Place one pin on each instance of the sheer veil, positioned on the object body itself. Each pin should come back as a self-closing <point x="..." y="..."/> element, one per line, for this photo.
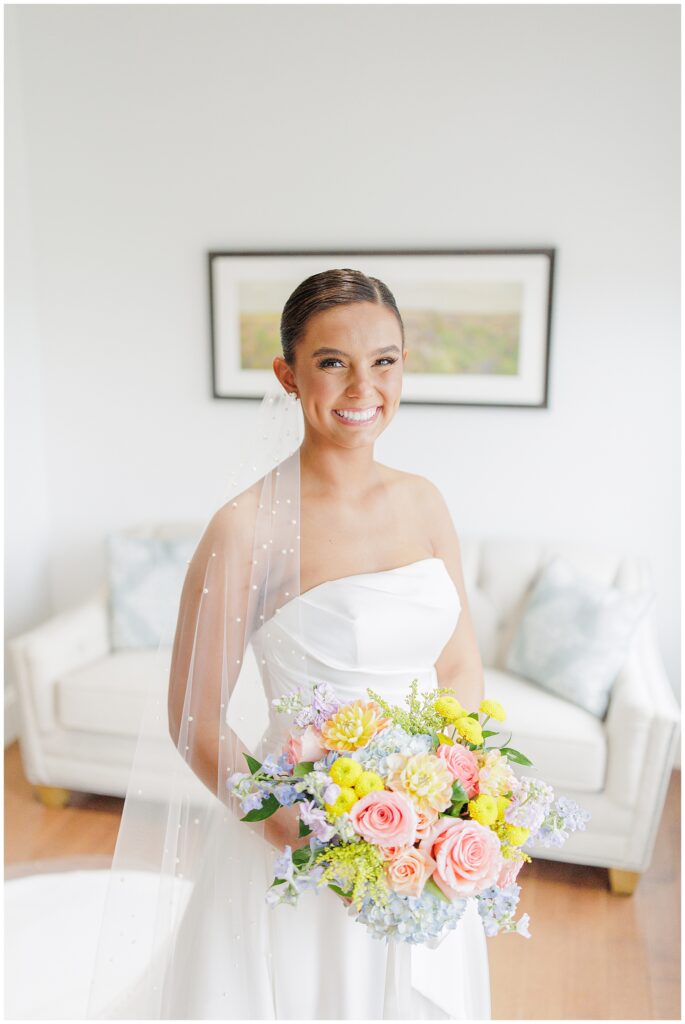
<point x="202" y="712"/>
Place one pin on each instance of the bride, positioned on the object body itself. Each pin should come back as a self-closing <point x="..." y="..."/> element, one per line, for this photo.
<point x="330" y="567"/>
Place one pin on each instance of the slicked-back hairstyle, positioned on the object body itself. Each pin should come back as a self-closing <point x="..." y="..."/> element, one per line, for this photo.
<point x="322" y="291"/>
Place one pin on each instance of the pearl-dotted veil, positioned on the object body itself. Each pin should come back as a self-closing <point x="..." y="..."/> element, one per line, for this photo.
<point x="201" y="714"/>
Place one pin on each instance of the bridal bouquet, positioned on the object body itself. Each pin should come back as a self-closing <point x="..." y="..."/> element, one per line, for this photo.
<point x="409" y="811"/>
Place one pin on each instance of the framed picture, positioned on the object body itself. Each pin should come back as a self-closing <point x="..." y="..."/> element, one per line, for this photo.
<point x="477" y="322"/>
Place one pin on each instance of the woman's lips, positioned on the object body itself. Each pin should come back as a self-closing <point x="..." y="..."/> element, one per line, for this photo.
<point x="358" y="423"/>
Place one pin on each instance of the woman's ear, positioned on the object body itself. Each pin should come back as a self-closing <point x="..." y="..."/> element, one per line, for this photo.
<point x="284" y="374"/>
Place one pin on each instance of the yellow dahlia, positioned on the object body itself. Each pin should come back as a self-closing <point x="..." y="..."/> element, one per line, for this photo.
<point x="345" y="771"/>
<point x="368" y="782"/>
<point x="424" y="778"/>
<point x="516" y="835"/>
<point x="493" y="708"/>
<point x="449" y="708"/>
<point x="353" y="726"/>
<point x="470" y="729"/>
<point x="483" y="809"/>
<point x="345" y="800"/>
<point x="495" y="776"/>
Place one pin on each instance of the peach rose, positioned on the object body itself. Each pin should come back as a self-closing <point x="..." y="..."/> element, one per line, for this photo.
<point x="306" y="747"/>
<point x="510" y="869"/>
<point x="408" y="871"/>
<point x="467" y="855"/>
<point x="385" y="818"/>
<point x="427" y="818"/>
<point x="388" y="852"/>
<point x="463" y="766"/>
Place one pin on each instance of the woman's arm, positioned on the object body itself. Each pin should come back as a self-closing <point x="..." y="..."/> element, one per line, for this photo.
<point x="459" y="665"/>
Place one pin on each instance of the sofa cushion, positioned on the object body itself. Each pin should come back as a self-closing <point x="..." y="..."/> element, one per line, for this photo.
<point x="147" y="568"/>
<point x="566" y="744"/>
<point x="108" y="696"/>
<point x="574" y="635"/>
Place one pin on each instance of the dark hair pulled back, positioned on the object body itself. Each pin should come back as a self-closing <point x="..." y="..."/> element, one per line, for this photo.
<point x="322" y="291"/>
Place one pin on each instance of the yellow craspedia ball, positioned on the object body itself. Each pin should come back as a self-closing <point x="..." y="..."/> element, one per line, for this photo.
<point x="516" y="835"/>
<point x="368" y="782"/>
<point x="502" y="804"/>
<point x="449" y="708"/>
<point x="483" y="809"/>
<point x="470" y="729"/>
<point x="346" y="799"/>
<point x="345" y="771"/>
<point x="493" y="708"/>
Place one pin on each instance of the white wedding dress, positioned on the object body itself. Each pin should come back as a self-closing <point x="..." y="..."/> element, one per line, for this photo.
<point x="313" y="961"/>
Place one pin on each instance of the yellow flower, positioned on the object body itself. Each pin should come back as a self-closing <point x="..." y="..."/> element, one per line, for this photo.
<point x="502" y="804"/>
<point x="353" y="726"/>
<point x="368" y="782"/>
<point x="346" y="799"/>
<point x="449" y="708"/>
<point x="345" y="771"/>
<point x="470" y="729"/>
<point x="483" y="809"/>
<point x="516" y="835"/>
<point x="494" y="709"/>
<point x="424" y="778"/>
<point x="495" y="775"/>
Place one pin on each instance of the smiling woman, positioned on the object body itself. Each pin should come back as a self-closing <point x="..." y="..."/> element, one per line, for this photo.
<point x="329" y="567"/>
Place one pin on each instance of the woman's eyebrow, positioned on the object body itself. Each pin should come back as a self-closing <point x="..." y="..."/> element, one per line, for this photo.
<point x="339" y="352"/>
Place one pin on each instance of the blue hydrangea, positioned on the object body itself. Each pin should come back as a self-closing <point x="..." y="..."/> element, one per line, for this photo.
<point x="393" y="740"/>
<point x="412" y="919"/>
<point x="564" y="817"/>
<point x="285" y="794"/>
<point x="497" y="907"/>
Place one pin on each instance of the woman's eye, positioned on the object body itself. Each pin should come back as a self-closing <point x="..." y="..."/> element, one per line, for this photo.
<point x="327" y="362"/>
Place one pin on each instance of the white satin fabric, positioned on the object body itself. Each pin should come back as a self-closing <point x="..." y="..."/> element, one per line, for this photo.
<point x="312" y="961"/>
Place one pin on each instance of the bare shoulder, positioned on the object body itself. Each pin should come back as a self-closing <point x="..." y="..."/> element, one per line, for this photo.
<point x="421" y="491"/>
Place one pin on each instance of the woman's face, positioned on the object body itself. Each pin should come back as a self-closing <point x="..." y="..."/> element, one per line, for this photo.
<point x="349" y="361"/>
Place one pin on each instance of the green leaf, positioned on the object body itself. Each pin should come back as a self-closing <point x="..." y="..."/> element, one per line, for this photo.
<point x="515" y="755"/>
<point x="277" y="881"/>
<point x="339" y="891"/>
<point x="303" y="768"/>
<point x="459" y="793"/>
<point x="269" y="807"/>
<point x="252" y="763"/>
<point x="301" y="856"/>
<point x="433" y="889"/>
<point x="489" y="732"/>
<point x="304" y="829"/>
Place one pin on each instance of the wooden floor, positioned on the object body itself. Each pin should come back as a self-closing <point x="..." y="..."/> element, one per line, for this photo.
<point x="591" y="956"/>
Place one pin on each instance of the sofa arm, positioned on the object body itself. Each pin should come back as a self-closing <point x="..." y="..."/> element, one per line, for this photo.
<point x="642" y="722"/>
<point x="63" y="643"/>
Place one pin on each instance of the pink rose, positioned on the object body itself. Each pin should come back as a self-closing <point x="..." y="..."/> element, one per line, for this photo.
<point x="467" y="855"/>
<point x="463" y="766"/>
<point x="510" y="869"/>
<point x="385" y="818"/>
<point x="408" y="871"/>
<point x="306" y="747"/>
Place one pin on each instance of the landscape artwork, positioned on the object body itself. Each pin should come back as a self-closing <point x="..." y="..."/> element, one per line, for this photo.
<point x="476" y="325"/>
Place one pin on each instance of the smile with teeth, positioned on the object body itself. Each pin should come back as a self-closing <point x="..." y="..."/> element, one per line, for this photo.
<point x="358" y="415"/>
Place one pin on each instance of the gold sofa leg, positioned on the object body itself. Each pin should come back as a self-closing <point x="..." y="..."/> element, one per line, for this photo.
<point x="623" y="883"/>
<point x="52" y="796"/>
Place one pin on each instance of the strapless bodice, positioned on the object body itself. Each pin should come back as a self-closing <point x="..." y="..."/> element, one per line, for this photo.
<point x="376" y="629"/>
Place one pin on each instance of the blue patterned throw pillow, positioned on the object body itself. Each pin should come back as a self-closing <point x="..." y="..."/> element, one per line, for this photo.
<point x="146" y="574"/>
<point x="575" y="634"/>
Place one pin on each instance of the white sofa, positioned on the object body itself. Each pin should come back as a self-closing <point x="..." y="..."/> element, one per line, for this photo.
<point x="81" y="705"/>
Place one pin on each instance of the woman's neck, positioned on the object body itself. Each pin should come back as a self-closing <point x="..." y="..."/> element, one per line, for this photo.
<point x="336" y="471"/>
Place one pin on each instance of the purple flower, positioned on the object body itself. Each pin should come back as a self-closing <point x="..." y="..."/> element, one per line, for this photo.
<point x="283" y="865"/>
<point x="285" y="794"/>
<point x="324" y="703"/>
<point x="270" y="766"/>
<point x="253" y="802"/>
<point x="315" y="818"/>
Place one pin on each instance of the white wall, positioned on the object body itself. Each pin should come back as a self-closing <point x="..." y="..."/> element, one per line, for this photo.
<point x="156" y="133"/>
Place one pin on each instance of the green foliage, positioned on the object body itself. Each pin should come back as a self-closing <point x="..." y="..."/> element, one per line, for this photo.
<point x="252" y="763"/>
<point x="269" y="807"/>
<point x="421" y="717"/>
<point x="303" y="768"/>
<point x="356" y="870"/>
